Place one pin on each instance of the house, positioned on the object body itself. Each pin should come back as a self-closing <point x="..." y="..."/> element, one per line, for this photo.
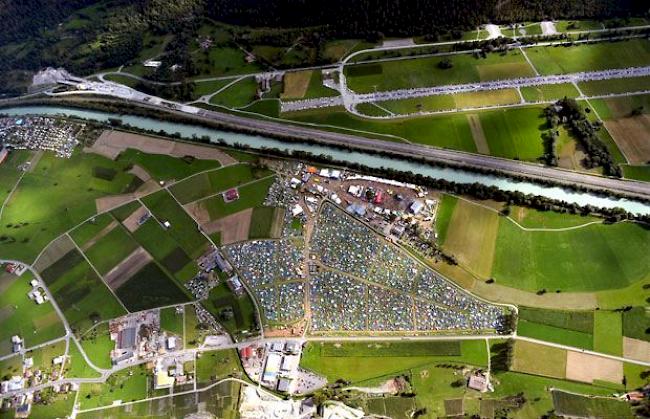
<point x="235" y="285"/>
<point x="284" y="384"/>
<point x="231" y="195"/>
<point x="292" y="347"/>
<point x="416" y="207"/>
<point x="152" y="64"/>
<point x="3" y="154"/>
<point x="17" y="343"/>
<point x="171" y="343"/>
<point x="126" y="338"/>
<point x="478" y="381"/>
<point x="296" y="210"/>
<point x="271" y="367"/>
<point x="290" y="363"/>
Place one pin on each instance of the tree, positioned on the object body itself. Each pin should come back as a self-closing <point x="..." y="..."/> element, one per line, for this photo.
<point x="445" y="64"/>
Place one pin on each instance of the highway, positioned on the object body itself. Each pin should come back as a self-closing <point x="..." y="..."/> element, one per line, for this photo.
<point x="457" y="158"/>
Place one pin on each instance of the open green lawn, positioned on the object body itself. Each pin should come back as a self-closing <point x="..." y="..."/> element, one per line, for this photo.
<point x="418" y="104"/>
<point x="514" y="133"/>
<point x="577" y="25"/>
<point x="547" y="92"/>
<point x="127" y="385"/>
<point x="172" y="321"/>
<point x="443" y="216"/>
<point x="82" y="296"/>
<point x="43" y="356"/>
<point x="97" y="344"/>
<point x="421" y="72"/>
<point x="364" y="361"/>
<point x="57" y="195"/>
<point x="163" y="167"/>
<point x="637" y="172"/>
<point x="221" y="301"/>
<point x="215" y="365"/>
<point x="223" y="61"/>
<point x="183" y="228"/>
<point x="447" y="131"/>
<point x="608" y="332"/>
<point x="555" y="334"/>
<point x="605" y="87"/>
<point x="590" y="57"/>
<point x="149" y="288"/>
<point x="19" y="315"/>
<point x="316" y="87"/>
<point x="121" y="79"/>
<point x="237" y="95"/>
<point x="596" y="257"/>
<point x="250" y="196"/>
<point x="111" y="249"/>
<point x="531" y="218"/>
<point x="60" y="406"/>
<point x="268" y="107"/>
<point x="155" y="239"/>
<point x="205" y="184"/>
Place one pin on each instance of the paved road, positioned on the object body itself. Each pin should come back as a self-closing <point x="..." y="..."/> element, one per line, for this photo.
<point x="460" y="158"/>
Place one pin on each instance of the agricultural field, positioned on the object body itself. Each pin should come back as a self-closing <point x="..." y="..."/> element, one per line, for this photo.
<point x="572" y="328"/>
<point x="110" y="249"/>
<point x="362" y="361"/>
<point x="549" y="92"/>
<point x="183" y="228"/>
<point x="126" y="385"/>
<point x="213" y="182"/>
<point x="514" y="133"/>
<point x="594" y="257"/>
<point x="574" y="405"/>
<point x="423" y="72"/>
<point x="606" y="87"/>
<point x="19" y="315"/>
<point x="214" y="365"/>
<point x="165" y="167"/>
<point x="97" y="345"/>
<point x="79" y="292"/>
<point x="527" y="357"/>
<point x="236" y="314"/>
<point x="591" y="57"/>
<point x="150" y="288"/>
<point x="236" y="95"/>
<point x="172" y="321"/>
<point x="70" y="186"/>
<point x="251" y="195"/>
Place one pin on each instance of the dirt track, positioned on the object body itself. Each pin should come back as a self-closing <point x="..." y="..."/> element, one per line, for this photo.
<point x="111" y="143"/>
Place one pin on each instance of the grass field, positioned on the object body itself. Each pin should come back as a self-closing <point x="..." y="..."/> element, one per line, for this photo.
<point x="443" y="216"/>
<point x="637" y="172"/>
<point x="237" y="95"/>
<point x="596" y="257"/>
<point x="447" y="131"/>
<point x="527" y="357"/>
<point x="296" y="84"/>
<point x="210" y="183"/>
<point x="36" y="323"/>
<point x="591" y="57"/>
<point x="214" y="365"/>
<point x="608" y="332"/>
<point x="111" y="249"/>
<point x="250" y="196"/>
<point x="419" y="104"/>
<point x="621" y="107"/>
<point x="172" y="321"/>
<point x="471" y="237"/>
<point x="548" y="92"/>
<point x="183" y="228"/>
<point x="77" y="366"/>
<point x="88" y="230"/>
<point x="97" y="344"/>
<point x="262" y="222"/>
<point x="572" y="405"/>
<point x="207" y="87"/>
<point x="514" y="133"/>
<point x="531" y="218"/>
<point x="127" y="385"/>
<point x="78" y="291"/>
<point x="605" y="87"/>
<point x="221" y="301"/>
<point x="636" y="323"/>
<point x="163" y="167"/>
<point x="125" y="80"/>
<point x="268" y="107"/>
<point x="486" y="98"/>
<point x="573" y="328"/>
<point x="149" y="288"/>
<point x="69" y="187"/>
<point x="360" y="363"/>
<point x="9" y="172"/>
<point x="421" y="72"/>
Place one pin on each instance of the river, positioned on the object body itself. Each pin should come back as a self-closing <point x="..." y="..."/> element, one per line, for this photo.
<point x="373" y="161"/>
